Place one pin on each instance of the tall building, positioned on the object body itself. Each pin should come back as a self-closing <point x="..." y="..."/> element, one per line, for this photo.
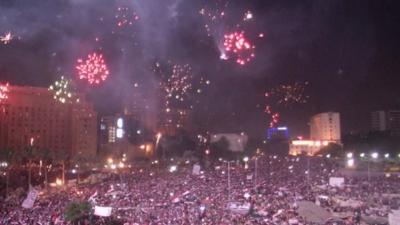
<point x="32" y="118"/>
<point x="173" y="120"/>
<point x="324" y="129"/>
<point x="325" y="126"/>
<point x="386" y="121"/>
<point x="378" y="121"/>
<point x="281" y="133"/>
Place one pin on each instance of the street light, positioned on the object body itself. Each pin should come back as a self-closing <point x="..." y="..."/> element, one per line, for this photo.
<point x="350" y="162"/>
<point x="375" y="155"/>
<point x="349" y="155"/>
<point x="362" y="155"/>
<point x="246" y="159"/>
<point x="387" y="155"/>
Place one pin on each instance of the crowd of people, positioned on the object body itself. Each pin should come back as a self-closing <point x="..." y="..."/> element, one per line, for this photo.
<point x="264" y="190"/>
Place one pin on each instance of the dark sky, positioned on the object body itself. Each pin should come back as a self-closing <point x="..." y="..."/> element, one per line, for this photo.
<point x="348" y="51"/>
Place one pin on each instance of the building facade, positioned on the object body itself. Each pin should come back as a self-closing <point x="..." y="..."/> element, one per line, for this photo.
<point x="378" y="121"/>
<point x="32" y="118"/>
<point x="386" y="121"/>
<point x="326" y="127"/>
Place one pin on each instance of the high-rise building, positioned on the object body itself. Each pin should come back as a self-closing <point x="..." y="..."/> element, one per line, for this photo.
<point x="326" y="127"/>
<point x="386" y="121"/>
<point x="32" y="118"/>
<point x="278" y="133"/>
<point x="378" y="121"/>
<point x="394" y="122"/>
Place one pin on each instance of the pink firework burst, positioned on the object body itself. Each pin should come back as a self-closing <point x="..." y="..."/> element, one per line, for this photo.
<point x="3" y="92"/>
<point x="93" y="69"/>
<point x="238" y="47"/>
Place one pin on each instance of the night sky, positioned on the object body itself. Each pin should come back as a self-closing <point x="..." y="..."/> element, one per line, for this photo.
<point x="348" y="51"/>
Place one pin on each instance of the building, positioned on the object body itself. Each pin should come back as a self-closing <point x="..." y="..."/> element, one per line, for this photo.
<point x="173" y="120"/>
<point x="124" y="134"/>
<point x="326" y="127"/>
<point x="32" y="118"/>
<point x="309" y="147"/>
<point x="281" y="133"/>
<point x="386" y="121"/>
<point x="378" y="121"/>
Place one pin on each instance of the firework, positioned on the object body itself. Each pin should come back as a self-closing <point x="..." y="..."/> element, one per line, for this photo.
<point x="236" y="45"/>
<point x="291" y="93"/>
<point x="125" y="16"/>
<point x="4" y="89"/>
<point x="6" y="38"/>
<point x="214" y="15"/>
<point x="274" y="116"/>
<point x="285" y="95"/>
<point x="93" y="69"/>
<point x="64" y="91"/>
<point x="248" y="16"/>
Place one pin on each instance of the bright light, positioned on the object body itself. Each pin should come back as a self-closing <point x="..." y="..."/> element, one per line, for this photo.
<point x="282" y="128"/>
<point x="173" y="169"/>
<point x="120" y="133"/>
<point x="375" y="155"/>
<point x="207" y="152"/>
<point x="142" y="147"/>
<point x="350" y="162"/>
<point x="246" y="195"/>
<point x="138" y="131"/>
<point x="113" y="166"/>
<point x="74" y="171"/>
<point x="121" y="165"/>
<point x="349" y="155"/>
<point x="328" y="156"/>
<point x="110" y="160"/>
<point x="362" y="155"/>
<point x="246" y="159"/>
<point x="58" y="182"/>
<point x="4" y="164"/>
<point x="387" y="155"/>
<point x="120" y="123"/>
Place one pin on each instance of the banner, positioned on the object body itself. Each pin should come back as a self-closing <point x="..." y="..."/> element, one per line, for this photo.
<point x="336" y="181"/>
<point x="30" y="199"/>
<point x="102" y="211"/>
<point x="394" y="217"/>
<point x="239" y="208"/>
<point x="196" y="169"/>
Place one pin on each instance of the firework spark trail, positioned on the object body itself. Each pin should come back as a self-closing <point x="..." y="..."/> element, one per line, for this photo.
<point x="125" y="16"/>
<point x="213" y="16"/>
<point x="6" y="38"/>
<point x="4" y="89"/>
<point x="181" y="87"/>
<point x="286" y="95"/>
<point x="64" y="91"/>
<point x="291" y="93"/>
<point x="93" y="69"/>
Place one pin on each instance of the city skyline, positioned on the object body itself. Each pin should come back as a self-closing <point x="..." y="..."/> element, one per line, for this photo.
<point x="346" y="54"/>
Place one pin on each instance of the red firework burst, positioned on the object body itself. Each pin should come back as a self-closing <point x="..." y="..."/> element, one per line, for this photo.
<point x="236" y="44"/>
<point x="93" y="69"/>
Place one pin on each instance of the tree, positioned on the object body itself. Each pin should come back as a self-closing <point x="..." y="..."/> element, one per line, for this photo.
<point x="80" y="160"/>
<point x="46" y="157"/>
<point x="28" y="154"/>
<point x="7" y="155"/>
<point x="61" y="157"/>
<point x="77" y="212"/>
